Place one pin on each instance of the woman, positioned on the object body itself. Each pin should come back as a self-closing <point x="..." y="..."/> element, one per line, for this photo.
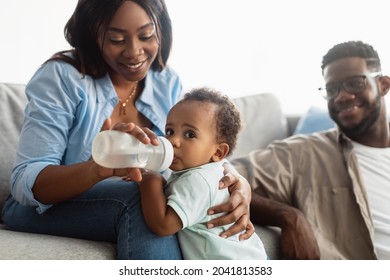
<point x="116" y="77"/>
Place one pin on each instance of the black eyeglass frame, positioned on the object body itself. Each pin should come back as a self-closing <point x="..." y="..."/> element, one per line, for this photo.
<point x="344" y="84"/>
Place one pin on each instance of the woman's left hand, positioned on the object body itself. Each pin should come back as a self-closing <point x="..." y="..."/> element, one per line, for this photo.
<point x="236" y="208"/>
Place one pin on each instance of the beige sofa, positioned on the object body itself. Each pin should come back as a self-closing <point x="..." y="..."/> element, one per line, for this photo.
<point x="264" y="122"/>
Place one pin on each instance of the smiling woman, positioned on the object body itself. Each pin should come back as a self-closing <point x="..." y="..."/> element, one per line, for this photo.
<point x="71" y="97"/>
<point x="115" y="76"/>
<point x="240" y="48"/>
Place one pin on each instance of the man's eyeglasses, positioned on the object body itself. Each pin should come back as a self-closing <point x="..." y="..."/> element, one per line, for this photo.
<point x="354" y="84"/>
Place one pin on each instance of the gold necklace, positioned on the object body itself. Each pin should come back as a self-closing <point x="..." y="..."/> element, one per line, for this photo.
<point x="122" y="108"/>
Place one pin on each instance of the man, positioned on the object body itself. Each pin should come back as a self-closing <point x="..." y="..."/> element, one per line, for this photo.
<point x="330" y="192"/>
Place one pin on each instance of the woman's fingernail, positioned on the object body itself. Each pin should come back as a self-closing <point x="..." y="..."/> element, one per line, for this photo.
<point x="221" y="184"/>
<point x="210" y="225"/>
<point x="211" y="212"/>
<point x="224" y="236"/>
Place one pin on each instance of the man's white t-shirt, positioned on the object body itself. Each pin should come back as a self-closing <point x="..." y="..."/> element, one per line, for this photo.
<point x="375" y="167"/>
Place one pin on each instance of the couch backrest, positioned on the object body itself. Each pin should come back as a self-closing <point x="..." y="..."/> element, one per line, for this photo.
<point x="12" y="103"/>
<point x="261" y="113"/>
<point x="263" y="122"/>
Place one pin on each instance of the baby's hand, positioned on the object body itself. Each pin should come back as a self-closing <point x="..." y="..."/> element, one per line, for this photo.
<point x="152" y="178"/>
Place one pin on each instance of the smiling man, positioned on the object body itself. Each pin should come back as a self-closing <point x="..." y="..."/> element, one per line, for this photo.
<point x="330" y="191"/>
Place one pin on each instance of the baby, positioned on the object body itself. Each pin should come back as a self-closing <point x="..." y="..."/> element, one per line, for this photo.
<point x="203" y="129"/>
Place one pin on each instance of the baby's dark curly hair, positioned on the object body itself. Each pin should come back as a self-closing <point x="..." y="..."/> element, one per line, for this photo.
<point x="353" y="49"/>
<point x="227" y="117"/>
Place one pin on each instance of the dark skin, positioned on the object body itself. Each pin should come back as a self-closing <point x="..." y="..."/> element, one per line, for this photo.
<point x="241" y="216"/>
<point x="351" y="112"/>
<point x="297" y="240"/>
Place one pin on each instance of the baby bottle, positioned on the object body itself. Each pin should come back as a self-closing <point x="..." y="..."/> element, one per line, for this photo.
<point x="116" y="149"/>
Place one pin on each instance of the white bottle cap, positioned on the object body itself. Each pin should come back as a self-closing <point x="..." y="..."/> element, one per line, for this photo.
<point x="167" y="160"/>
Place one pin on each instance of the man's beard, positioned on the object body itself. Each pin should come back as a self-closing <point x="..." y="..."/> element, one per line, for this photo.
<point x="365" y="124"/>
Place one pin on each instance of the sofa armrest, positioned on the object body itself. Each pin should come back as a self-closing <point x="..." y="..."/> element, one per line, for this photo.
<point x="270" y="237"/>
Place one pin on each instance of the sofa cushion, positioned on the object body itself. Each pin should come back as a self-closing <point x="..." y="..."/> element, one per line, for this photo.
<point x="12" y="103"/>
<point x="260" y="112"/>
<point x="30" y="246"/>
<point x="263" y="122"/>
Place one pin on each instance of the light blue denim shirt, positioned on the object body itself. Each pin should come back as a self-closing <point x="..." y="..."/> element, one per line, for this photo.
<point x="66" y="110"/>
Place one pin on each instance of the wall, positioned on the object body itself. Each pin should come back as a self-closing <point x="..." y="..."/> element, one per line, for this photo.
<point x="240" y="47"/>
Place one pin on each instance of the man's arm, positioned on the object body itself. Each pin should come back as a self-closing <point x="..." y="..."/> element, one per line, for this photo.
<point x="297" y="238"/>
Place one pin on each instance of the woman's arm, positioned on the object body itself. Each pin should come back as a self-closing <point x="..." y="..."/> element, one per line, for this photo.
<point x="297" y="238"/>
<point x="237" y="207"/>
<point x="57" y="183"/>
<point x="160" y="217"/>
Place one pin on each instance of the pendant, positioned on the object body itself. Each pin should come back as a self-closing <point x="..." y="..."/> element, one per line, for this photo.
<point x="122" y="109"/>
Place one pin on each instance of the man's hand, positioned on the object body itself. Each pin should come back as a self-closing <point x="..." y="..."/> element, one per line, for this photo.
<point x="297" y="239"/>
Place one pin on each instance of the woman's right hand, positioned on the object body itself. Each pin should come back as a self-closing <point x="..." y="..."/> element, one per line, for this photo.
<point x="145" y="135"/>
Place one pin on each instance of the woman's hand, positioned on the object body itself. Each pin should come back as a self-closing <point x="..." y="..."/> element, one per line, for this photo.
<point x="145" y="135"/>
<point x="236" y="208"/>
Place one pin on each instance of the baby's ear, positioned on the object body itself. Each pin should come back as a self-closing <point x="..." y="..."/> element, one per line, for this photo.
<point x="220" y="152"/>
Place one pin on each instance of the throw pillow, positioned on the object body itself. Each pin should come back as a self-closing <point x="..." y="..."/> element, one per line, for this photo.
<point x="316" y="119"/>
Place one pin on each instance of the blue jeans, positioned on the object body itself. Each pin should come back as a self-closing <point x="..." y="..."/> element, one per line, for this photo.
<point x="110" y="211"/>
